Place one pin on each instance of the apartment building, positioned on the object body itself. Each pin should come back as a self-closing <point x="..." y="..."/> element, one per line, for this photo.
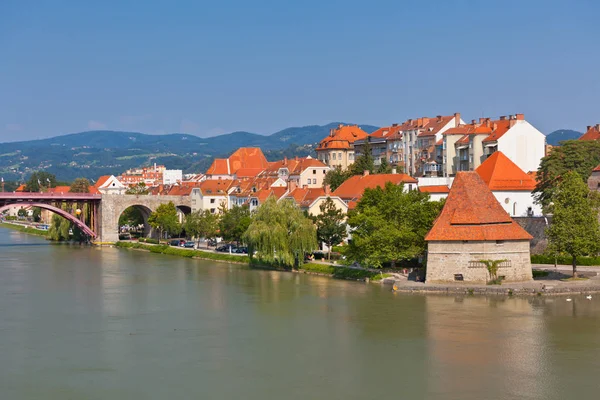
<point x="337" y="149"/>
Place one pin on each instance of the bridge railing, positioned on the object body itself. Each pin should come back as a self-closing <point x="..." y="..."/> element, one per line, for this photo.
<point x="54" y="196"/>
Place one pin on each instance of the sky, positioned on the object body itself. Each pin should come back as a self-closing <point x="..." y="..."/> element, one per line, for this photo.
<point x="213" y="67"/>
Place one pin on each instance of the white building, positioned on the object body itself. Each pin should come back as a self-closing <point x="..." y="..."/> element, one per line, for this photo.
<point x="172" y="176"/>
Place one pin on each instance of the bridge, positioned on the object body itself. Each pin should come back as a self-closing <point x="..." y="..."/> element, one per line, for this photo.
<point x="98" y="215"/>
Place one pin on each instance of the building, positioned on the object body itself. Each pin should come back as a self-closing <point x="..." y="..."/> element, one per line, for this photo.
<point x="436" y="192"/>
<point x="172" y="176"/>
<point x="353" y="188"/>
<point x="310" y="199"/>
<point x="109" y="184"/>
<point x="385" y="143"/>
<point x="245" y="162"/>
<point x="511" y="186"/>
<point x="337" y="149"/>
<point x="466" y="147"/>
<point x="211" y="194"/>
<point x="472" y="227"/>
<point x="594" y="179"/>
<point x="150" y="176"/>
<point x="592" y="133"/>
<point x="301" y="170"/>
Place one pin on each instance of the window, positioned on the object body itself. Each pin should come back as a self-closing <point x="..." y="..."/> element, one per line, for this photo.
<point x="212" y="201"/>
<point x="351" y="156"/>
<point x="212" y="210"/>
<point x="314" y="171"/>
<point x="254" y="202"/>
<point x="333" y="156"/>
<point x="324" y="172"/>
<point x="308" y="181"/>
<point x="315" y="181"/>
<point x="499" y="241"/>
<point x="339" y="156"/>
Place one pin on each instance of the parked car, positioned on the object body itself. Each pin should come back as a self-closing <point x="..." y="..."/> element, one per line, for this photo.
<point x="189" y="244"/>
<point x="174" y="242"/>
<point x="241" y="250"/>
<point x="226" y="247"/>
<point x="212" y="242"/>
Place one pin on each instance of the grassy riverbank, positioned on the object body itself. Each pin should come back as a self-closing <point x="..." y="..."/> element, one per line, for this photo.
<point x="24" y="229"/>
<point x="338" y="272"/>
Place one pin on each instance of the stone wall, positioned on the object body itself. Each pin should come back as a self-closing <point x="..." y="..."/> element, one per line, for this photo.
<point x="445" y="259"/>
<point x="536" y="227"/>
<point x="112" y="206"/>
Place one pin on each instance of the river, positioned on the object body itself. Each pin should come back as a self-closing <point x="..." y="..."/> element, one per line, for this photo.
<point x="89" y="323"/>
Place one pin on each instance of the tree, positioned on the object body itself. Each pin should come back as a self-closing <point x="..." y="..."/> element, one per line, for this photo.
<point x="384" y="167"/>
<point x="132" y="216"/>
<point x="59" y="228"/>
<point x="37" y="214"/>
<point x="40" y="181"/>
<point x="280" y="233"/>
<point x="389" y="225"/>
<point x="22" y="212"/>
<point x="581" y="156"/>
<point x="165" y="219"/>
<point x="80" y="185"/>
<point x="138" y="189"/>
<point x="202" y="224"/>
<point x="234" y="223"/>
<point x="364" y="162"/>
<point x="574" y="229"/>
<point x="331" y="228"/>
<point x="335" y="177"/>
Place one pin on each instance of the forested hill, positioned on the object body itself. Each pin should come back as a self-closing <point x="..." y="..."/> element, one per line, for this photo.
<point x="94" y="153"/>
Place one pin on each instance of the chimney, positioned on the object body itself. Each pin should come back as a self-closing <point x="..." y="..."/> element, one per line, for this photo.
<point x="425" y="121"/>
<point x="481" y="120"/>
<point x="394" y="171"/>
<point x="292" y="186"/>
<point x="284" y="160"/>
<point x="366" y="172"/>
<point x="456" y="119"/>
<point x="520" y="117"/>
<point x="340" y="125"/>
<point x="419" y="121"/>
<point x="394" y="124"/>
<point x="513" y="121"/>
<point x="589" y="127"/>
<point x="473" y="121"/>
<point x="410" y="121"/>
<point x="502" y="117"/>
<point x="327" y="189"/>
<point x="439" y="118"/>
<point x="598" y="127"/>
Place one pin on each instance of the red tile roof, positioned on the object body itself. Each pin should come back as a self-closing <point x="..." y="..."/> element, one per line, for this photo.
<point x="431" y="126"/>
<point x="593" y="133"/>
<point x="434" y="189"/>
<point x="215" y="186"/>
<point x="305" y="196"/>
<point x="342" y="137"/>
<point x="295" y="165"/>
<point x="59" y="189"/>
<point x="388" y="132"/>
<point x="102" y="180"/>
<point x="354" y="187"/>
<point x="499" y="128"/>
<point x="472" y="212"/>
<point x="21" y="188"/>
<point x="244" y="158"/>
<point x="500" y="173"/>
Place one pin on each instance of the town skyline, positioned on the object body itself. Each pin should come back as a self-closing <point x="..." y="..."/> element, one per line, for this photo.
<point x="211" y="69"/>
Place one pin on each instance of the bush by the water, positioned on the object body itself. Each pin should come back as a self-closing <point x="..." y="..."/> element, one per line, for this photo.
<point x="176" y="251"/>
<point x="343" y="272"/>
<point x="148" y="240"/>
<point x="563" y="260"/>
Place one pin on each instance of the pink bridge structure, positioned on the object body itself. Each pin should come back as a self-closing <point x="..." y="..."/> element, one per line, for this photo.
<point x="63" y="204"/>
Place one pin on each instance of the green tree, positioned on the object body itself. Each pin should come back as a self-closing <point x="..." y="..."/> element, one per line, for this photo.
<point x="331" y="228"/>
<point x="389" y="225"/>
<point x="364" y="162"/>
<point x="280" y="233"/>
<point x="581" y="156"/>
<point x="59" y="228"/>
<point x="335" y="177"/>
<point x="80" y="185"/>
<point x="22" y="212"/>
<point x="165" y="219"/>
<point x="40" y="181"/>
<point x="202" y="224"/>
<point x="574" y="229"/>
<point x="37" y="214"/>
<point x="132" y="216"/>
<point x="234" y="223"/>
<point x="138" y="189"/>
<point x="384" y="167"/>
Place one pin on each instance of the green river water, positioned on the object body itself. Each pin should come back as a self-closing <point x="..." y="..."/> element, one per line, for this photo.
<point x="90" y="323"/>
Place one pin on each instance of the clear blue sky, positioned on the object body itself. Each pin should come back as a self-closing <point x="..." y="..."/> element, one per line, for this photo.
<point x="209" y="67"/>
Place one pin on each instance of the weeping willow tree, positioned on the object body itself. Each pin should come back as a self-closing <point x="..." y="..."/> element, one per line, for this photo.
<point x="280" y="234"/>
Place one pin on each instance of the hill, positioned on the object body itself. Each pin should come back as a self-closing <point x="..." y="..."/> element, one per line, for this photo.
<point x="94" y="153"/>
<point x="554" y="138"/>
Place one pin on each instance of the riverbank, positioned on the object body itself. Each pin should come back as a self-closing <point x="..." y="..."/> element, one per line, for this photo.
<point x="323" y="269"/>
<point x="24" y="229"/>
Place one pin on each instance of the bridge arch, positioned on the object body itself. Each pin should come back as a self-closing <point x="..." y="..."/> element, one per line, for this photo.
<point x="55" y="210"/>
<point x="145" y="214"/>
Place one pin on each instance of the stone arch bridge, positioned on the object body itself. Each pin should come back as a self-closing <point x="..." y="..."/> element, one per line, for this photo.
<point x="101" y="223"/>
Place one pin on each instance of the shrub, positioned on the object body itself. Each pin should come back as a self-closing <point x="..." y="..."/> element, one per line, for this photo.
<point x="176" y="251"/>
<point x="539" y="274"/>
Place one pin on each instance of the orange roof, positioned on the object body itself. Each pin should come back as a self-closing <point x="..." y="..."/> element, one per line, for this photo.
<point x="248" y="172"/>
<point x="388" y="131"/>
<point x="431" y="126"/>
<point x="263" y="194"/>
<point x="354" y="187"/>
<point x="472" y="212"/>
<point x="101" y="181"/>
<point x="59" y="189"/>
<point x="295" y="165"/>
<point x="305" y="196"/>
<point x="469" y="129"/>
<point x="500" y="173"/>
<point x="21" y="188"/>
<point x="593" y="133"/>
<point x="342" y="137"/>
<point x="244" y="158"/>
<point x="215" y="186"/>
<point x="434" y="189"/>
<point x="500" y="127"/>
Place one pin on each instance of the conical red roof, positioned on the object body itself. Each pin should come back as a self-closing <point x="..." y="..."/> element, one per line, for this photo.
<point x="472" y="212"/>
<point x="500" y="173"/>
